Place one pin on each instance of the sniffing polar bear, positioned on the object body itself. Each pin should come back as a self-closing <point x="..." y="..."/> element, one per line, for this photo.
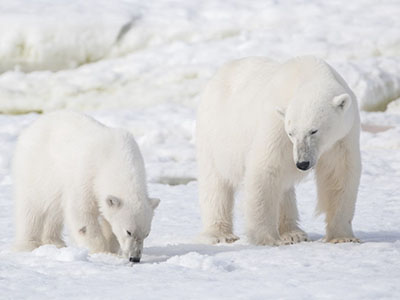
<point x="269" y="123"/>
<point x="70" y="168"/>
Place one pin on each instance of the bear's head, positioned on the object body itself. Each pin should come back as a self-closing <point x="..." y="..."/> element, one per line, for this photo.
<point x="314" y="122"/>
<point x="121" y="193"/>
<point x="130" y="222"/>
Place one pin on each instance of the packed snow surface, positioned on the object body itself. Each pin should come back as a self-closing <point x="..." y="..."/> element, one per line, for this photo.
<point x="141" y="65"/>
<point x="175" y="266"/>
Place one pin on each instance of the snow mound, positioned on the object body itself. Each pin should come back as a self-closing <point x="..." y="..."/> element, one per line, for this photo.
<point x="194" y="260"/>
<point x="128" y="54"/>
<point x="376" y="82"/>
<point x="61" y="254"/>
<point x="394" y="106"/>
<point x="54" y="35"/>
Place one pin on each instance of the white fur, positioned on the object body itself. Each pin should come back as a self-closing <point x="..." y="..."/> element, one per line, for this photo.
<point x="69" y="168"/>
<point x="244" y="120"/>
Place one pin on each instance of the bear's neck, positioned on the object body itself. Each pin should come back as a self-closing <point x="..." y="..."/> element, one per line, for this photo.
<point x="299" y="72"/>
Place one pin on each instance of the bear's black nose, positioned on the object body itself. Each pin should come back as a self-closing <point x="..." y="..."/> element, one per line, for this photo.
<point x="134" y="259"/>
<point x="303" y="165"/>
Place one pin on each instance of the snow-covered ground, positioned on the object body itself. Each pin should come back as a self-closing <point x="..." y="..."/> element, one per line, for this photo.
<point x="135" y="53"/>
<point x="141" y="65"/>
<point x="175" y="267"/>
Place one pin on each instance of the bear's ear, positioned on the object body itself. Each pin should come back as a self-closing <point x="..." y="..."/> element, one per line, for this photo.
<point x="154" y="202"/>
<point x="113" y="201"/>
<point x="281" y="112"/>
<point x="342" y="102"/>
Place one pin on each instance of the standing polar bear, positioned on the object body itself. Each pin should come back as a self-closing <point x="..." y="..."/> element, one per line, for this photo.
<point x="270" y="123"/>
<point x="70" y="168"/>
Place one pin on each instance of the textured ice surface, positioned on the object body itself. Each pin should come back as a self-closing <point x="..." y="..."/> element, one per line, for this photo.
<point x="104" y="54"/>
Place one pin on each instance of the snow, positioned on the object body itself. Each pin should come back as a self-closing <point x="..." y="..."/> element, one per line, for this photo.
<point x="146" y="77"/>
<point x="137" y="53"/>
<point x="175" y="266"/>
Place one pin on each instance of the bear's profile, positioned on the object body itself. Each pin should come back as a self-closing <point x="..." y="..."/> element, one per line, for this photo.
<point x="69" y="168"/>
<point x="267" y="124"/>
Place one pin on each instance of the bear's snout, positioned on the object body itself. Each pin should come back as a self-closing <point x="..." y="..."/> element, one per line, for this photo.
<point x="134" y="259"/>
<point x="303" y="165"/>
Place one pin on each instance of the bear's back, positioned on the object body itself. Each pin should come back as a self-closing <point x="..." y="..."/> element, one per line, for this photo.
<point x="62" y="139"/>
<point x="233" y="94"/>
<point x="238" y="77"/>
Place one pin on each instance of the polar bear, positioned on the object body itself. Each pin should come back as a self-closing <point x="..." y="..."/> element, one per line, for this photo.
<point x="70" y="168"/>
<point x="267" y="124"/>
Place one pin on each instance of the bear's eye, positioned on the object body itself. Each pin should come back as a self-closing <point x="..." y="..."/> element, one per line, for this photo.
<point x="129" y="233"/>
<point x="313" y="132"/>
<point x="290" y="134"/>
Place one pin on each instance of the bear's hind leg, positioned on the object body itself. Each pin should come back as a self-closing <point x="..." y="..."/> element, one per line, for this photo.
<point x="216" y="202"/>
<point x="52" y="227"/>
<point x="288" y="222"/>
<point x="29" y="225"/>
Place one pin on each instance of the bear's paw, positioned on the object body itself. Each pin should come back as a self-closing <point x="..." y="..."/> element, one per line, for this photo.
<point x="294" y="237"/>
<point x="344" y="240"/>
<point x="216" y="238"/>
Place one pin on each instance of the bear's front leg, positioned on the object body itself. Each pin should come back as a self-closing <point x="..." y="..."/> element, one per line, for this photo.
<point x="88" y="234"/>
<point x="338" y="177"/>
<point x="84" y="227"/>
<point x="289" y="229"/>
<point x="112" y="242"/>
<point x="262" y="200"/>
